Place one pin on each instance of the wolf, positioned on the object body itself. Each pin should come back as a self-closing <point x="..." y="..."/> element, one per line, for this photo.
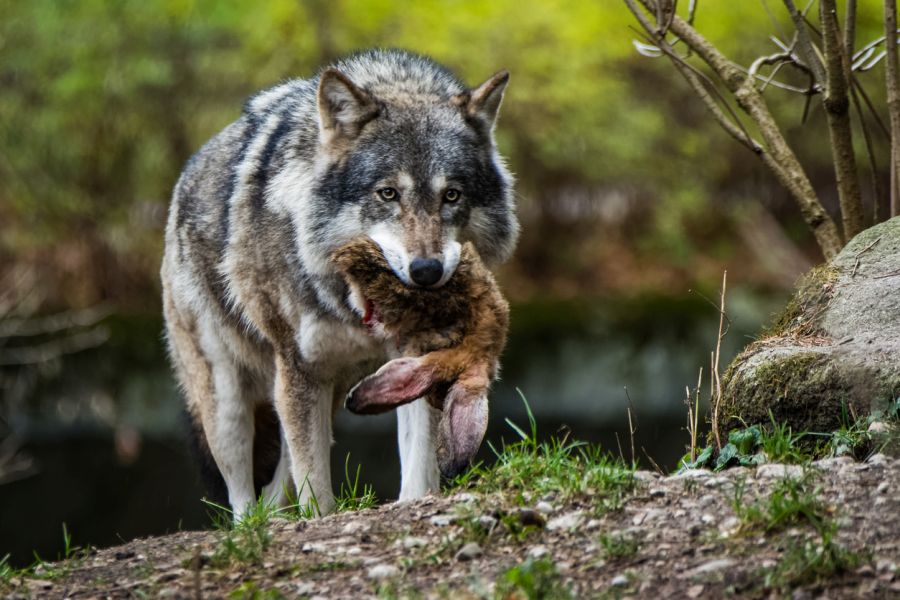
<point x="260" y="325"/>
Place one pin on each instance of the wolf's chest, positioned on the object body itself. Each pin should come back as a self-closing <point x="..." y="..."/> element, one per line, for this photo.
<point x="328" y="344"/>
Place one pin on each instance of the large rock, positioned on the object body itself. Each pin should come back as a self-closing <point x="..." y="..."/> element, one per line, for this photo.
<point x="836" y="349"/>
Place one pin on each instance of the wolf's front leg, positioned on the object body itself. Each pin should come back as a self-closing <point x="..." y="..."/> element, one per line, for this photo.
<point x="417" y="428"/>
<point x="304" y="408"/>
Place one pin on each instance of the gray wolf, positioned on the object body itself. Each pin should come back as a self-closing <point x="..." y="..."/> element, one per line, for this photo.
<point x="449" y="340"/>
<point x="385" y="144"/>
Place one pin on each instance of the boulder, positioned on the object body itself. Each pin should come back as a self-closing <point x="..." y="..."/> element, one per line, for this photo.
<point x="835" y="351"/>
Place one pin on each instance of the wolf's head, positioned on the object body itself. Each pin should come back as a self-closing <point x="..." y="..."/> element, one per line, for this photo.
<point x="406" y="156"/>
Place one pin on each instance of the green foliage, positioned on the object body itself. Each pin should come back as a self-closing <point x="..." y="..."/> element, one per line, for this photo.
<point x="245" y="541"/>
<point x="809" y="560"/>
<point x="251" y="591"/>
<point x="619" y="544"/>
<point x="534" y="580"/>
<point x="559" y="467"/>
<point x="790" y="502"/>
<point x="351" y="497"/>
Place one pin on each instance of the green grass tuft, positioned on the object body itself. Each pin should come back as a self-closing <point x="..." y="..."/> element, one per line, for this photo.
<point x="534" y="580"/>
<point x="528" y="468"/>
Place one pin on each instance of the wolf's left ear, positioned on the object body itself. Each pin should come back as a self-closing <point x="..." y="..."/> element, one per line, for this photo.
<point x="483" y="103"/>
<point x="343" y="106"/>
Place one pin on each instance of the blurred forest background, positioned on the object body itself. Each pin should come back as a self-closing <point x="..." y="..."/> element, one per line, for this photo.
<point x="630" y="197"/>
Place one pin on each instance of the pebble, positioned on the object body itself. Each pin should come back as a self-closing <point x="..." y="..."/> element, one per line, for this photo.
<point x="707" y="519"/>
<point x="885" y="566"/>
<point x="779" y="471"/>
<point x="470" y="551"/>
<point x="487" y="522"/>
<point x="694" y="591"/>
<point x="441" y="520"/>
<point x="883" y="487"/>
<point x="354" y="527"/>
<point x="833" y="463"/>
<point x="657" y="492"/>
<point x="305" y="588"/>
<point x="693" y="474"/>
<point x="706" y="501"/>
<point x="529" y="516"/>
<point x="715" y="482"/>
<point x="538" y="552"/>
<point x="646" y="475"/>
<point x="619" y="581"/>
<point x="878" y="427"/>
<point x="413" y="542"/>
<point x="567" y="522"/>
<point x="544" y="507"/>
<point x="878" y="460"/>
<point x="464" y="498"/>
<point x="720" y="564"/>
<point x="382" y="571"/>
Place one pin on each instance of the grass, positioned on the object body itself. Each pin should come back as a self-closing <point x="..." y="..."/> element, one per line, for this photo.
<point x="560" y="468"/>
<point x="41" y="569"/>
<point x="790" y="502"/>
<point x="619" y="545"/>
<point x="534" y="580"/>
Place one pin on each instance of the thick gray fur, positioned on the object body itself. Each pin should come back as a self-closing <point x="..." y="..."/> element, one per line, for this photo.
<point x="257" y="317"/>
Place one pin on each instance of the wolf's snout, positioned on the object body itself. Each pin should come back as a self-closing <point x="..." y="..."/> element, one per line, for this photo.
<point x="426" y="271"/>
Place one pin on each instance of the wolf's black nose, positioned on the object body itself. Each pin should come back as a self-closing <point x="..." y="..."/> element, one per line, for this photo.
<point x="426" y="271"/>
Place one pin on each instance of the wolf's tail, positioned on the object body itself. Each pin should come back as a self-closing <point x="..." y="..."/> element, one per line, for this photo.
<point x="266" y="452"/>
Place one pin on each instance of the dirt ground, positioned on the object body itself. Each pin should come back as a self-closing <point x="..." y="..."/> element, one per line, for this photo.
<point x="673" y="537"/>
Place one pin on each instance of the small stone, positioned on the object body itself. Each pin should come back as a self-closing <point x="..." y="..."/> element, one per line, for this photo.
<point x="657" y="492"/>
<point x="382" y="571"/>
<point x="441" y="520"/>
<point x="885" y="566"/>
<point x="883" y="487"/>
<point x="538" y="552"/>
<point x="694" y="591"/>
<point x="305" y="588"/>
<point x="566" y="522"/>
<point x="715" y="482"/>
<point x="707" y="519"/>
<point x="713" y="566"/>
<point x="594" y="524"/>
<point x="693" y="474"/>
<point x="354" y="551"/>
<point x="801" y="595"/>
<point x="464" y="498"/>
<point x="354" y="527"/>
<point x="470" y="551"/>
<point x="706" y="501"/>
<point x="544" y="507"/>
<point x="619" y="581"/>
<point x="861" y="468"/>
<point x="487" y="522"/>
<point x="413" y="542"/>
<point x="779" y="471"/>
<point x="878" y="427"/>
<point x="124" y="554"/>
<point x="646" y="476"/>
<point x="833" y="463"/>
<point x="865" y="570"/>
<point x="878" y="460"/>
<point x="880" y="501"/>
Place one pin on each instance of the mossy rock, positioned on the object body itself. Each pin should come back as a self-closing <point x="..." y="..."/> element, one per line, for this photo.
<point x="834" y="351"/>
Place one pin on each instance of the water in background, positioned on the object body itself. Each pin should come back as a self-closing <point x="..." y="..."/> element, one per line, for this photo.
<point x="106" y="428"/>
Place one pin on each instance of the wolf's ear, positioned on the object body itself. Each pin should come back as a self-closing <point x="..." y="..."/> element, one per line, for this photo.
<point x="343" y="107"/>
<point x="483" y="103"/>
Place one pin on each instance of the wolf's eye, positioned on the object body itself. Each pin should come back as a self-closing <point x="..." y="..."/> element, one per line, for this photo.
<point x="451" y="195"/>
<point x="388" y="193"/>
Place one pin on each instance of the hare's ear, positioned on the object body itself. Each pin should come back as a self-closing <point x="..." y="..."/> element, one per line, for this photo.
<point x="398" y="382"/>
<point x="463" y="425"/>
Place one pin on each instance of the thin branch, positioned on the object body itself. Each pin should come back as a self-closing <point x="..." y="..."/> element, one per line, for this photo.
<point x="893" y="99"/>
<point x="870" y="153"/>
<point x="850" y="27"/>
<point x="778" y="155"/>
<point x="836" y="101"/>
<point x="805" y="46"/>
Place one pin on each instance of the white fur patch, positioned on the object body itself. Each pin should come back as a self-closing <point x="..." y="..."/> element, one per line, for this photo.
<point x="416" y="433"/>
<point x="452" y="250"/>
<point x="394" y="251"/>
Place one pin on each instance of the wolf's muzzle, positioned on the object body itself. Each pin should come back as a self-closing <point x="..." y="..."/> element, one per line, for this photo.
<point x="426" y="271"/>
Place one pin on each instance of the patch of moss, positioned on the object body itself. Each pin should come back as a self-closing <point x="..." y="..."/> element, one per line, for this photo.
<point x="802" y="389"/>
<point x="803" y="314"/>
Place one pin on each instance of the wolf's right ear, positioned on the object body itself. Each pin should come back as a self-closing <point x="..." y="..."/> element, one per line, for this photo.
<point x="343" y="107"/>
<point x="482" y="104"/>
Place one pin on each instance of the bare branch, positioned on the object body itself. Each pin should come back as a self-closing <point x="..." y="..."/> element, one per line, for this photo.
<point x="850" y="27"/>
<point x="836" y="101"/>
<point x="778" y="155"/>
<point x="893" y="99"/>
<point x="870" y="153"/>
<point x="805" y="46"/>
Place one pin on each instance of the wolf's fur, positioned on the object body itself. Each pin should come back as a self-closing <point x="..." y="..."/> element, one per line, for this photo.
<point x="256" y="313"/>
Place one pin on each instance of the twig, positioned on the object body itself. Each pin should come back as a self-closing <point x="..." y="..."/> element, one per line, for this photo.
<point x="805" y="46"/>
<point x="892" y="80"/>
<point x="717" y="398"/>
<point x="870" y="154"/>
<point x="861" y="252"/>
<point x="631" y="428"/>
